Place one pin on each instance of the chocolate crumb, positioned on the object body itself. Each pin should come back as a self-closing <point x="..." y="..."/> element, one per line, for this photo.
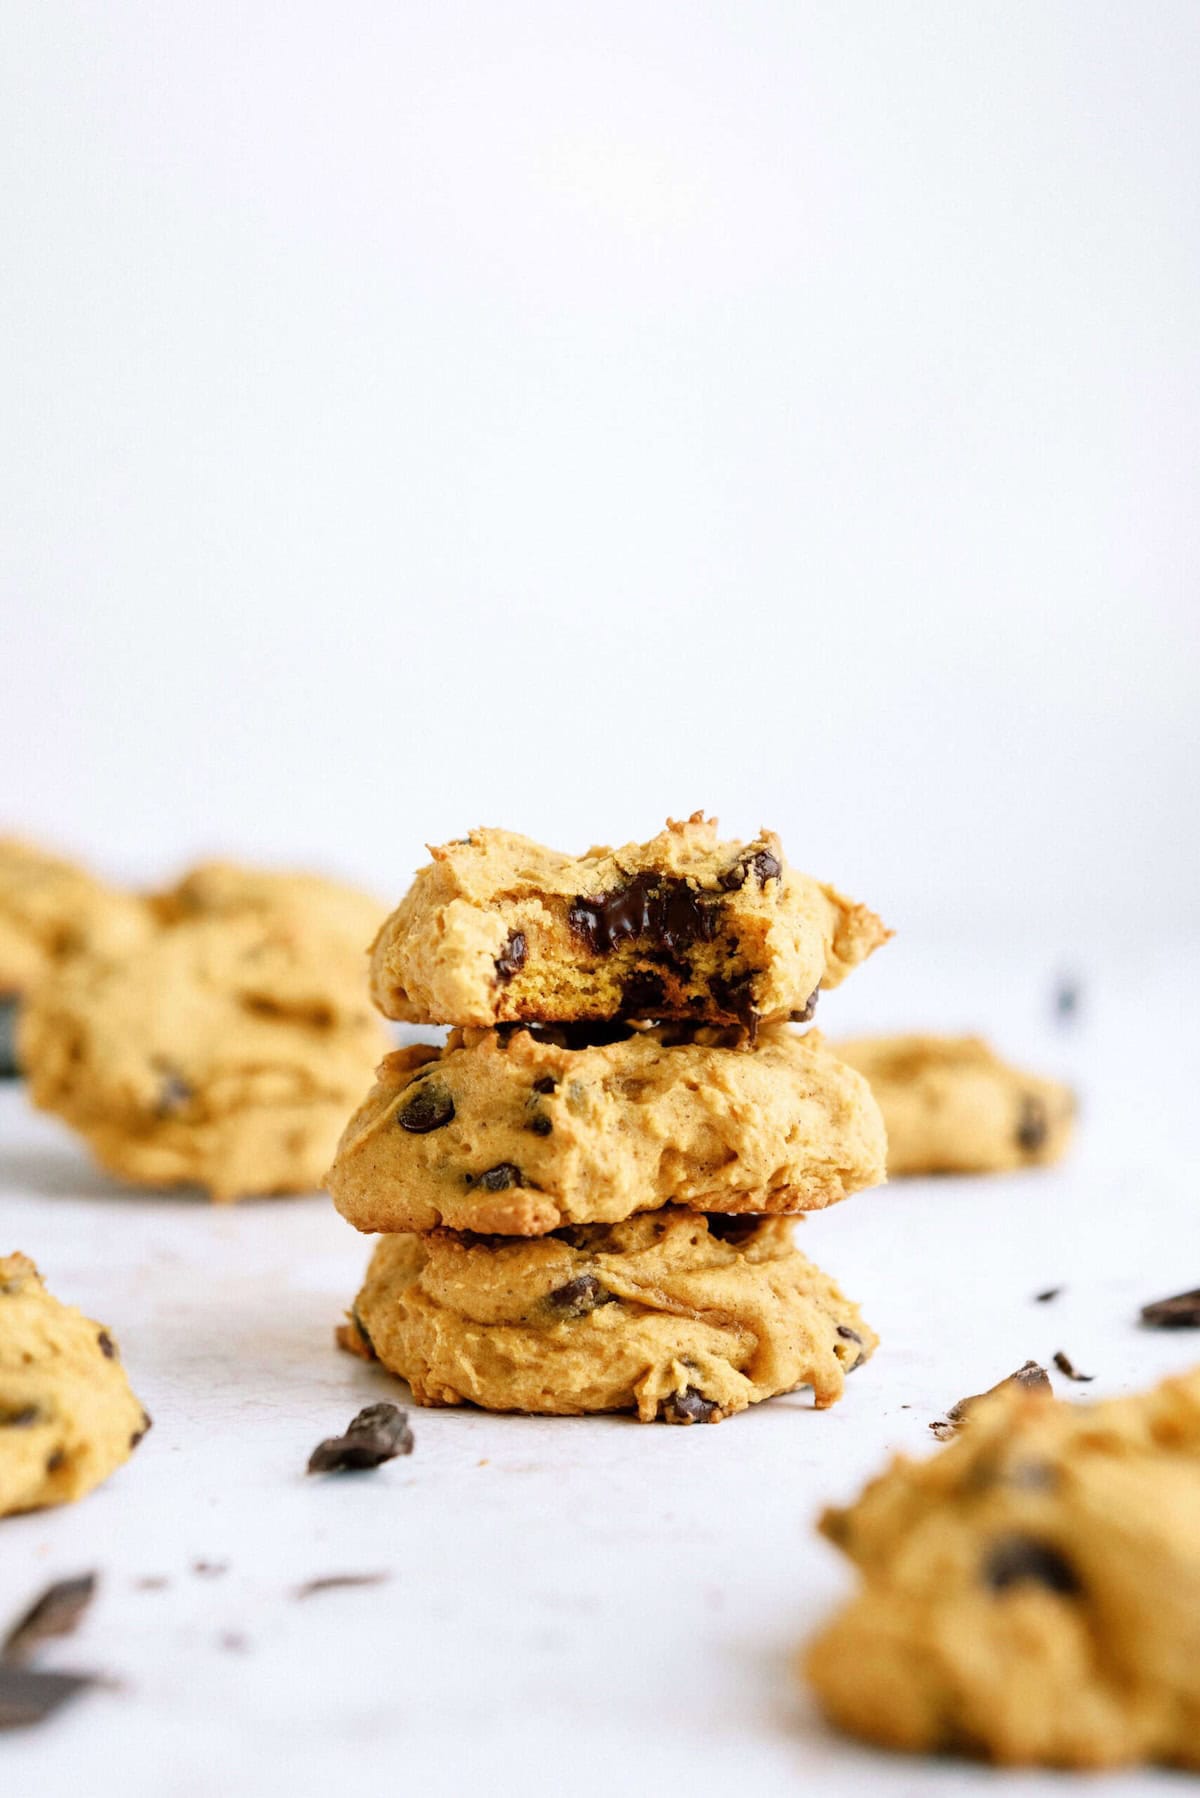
<point x="379" y="1433"/>
<point x="1044" y="1298"/>
<point x="210" y="1569"/>
<point x="501" y="1177"/>
<point x="540" y="1124"/>
<point x="1068" y="994"/>
<point x="333" y="1582"/>
<point x="689" y="1406"/>
<point x="28" y="1697"/>
<point x="941" y="1429"/>
<point x="1032" y="1377"/>
<point x="107" y="1346"/>
<point x="55" y="1613"/>
<point x="147" y="1425"/>
<point x="232" y="1642"/>
<point x="430" y="1107"/>
<point x="1014" y="1560"/>
<point x="152" y="1582"/>
<point x="1182" y="1312"/>
<point x="1066" y="1366"/>
<point x="1032" y="1124"/>
<point x="512" y="957"/>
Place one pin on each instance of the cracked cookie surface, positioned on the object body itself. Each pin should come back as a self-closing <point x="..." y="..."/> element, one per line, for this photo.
<point x="677" y="1317"/>
<point x="499" y="929"/>
<point x="512" y="1131"/>
<point x="67" y="1415"/>
<point x="952" y="1106"/>
<point x="1032" y="1593"/>
<point x="227" y="1053"/>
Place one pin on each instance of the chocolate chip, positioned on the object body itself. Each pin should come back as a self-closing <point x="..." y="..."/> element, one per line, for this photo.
<point x="659" y="910"/>
<point x="1016" y="1560"/>
<point x="1044" y="1298"/>
<point x="335" y="1582"/>
<point x="55" y="1613"/>
<point x="511" y="958"/>
<point x="578" y="1297"/>
<point x="805" y="1016"/>
<point x="107" y="1346"/>
<point x="1031" y="1376"/>
<point x="56" y="1460"/>
<point x="540" y="1124"/>
<point x="733" y="878"/>
<point x="378" y="1433"/>
<point x="547" y="1084"/>
<point x="763" y="865"/>
<point x="849" y="1334"/>
<point x="147" y="1424"/>
<point x="689" y="1406"/>
<point x="1066" y="1366"/>
<point x="1032" y="1124"/>
<point x="1179" y="1313"/>
<point x="28" y="1697"/>
<point x="501" y="1177"/>
<point x="643" y="995"/>
<point x="174" y="1094"/>
<point x="430" y="1108"/>
<point x="766" y="867"/>
<point x="23" y="1419"/>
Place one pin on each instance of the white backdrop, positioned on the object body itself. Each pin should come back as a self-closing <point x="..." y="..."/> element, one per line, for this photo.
<point x="424" y="415"/>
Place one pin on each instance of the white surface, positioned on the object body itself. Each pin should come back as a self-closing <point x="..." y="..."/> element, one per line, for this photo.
<point x="586" y="1606"/>
<point x="559" y="415"/>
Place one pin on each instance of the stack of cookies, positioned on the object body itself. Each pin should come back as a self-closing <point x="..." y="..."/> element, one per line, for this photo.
<point x="585" y="1197"/>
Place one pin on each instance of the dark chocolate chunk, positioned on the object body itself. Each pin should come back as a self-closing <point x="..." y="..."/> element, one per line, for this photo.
<point x="1032" y="1376"/>
<point x="730" y="1228"/>
<point x="429" y="1109"/>
<point x="378" y="1433"/>
<point x="737" y="998"/>
<point x="540" y="1124"/>
<point x="547" y="1084"/>
<point x="733" y="878"/>
<point x="643" y="995"/>
<point x="1065" y="1365"/>
<point x="1032" y="1123"/>
<point x="1016" y="1560"/>
<point x="55" y="1613"/>
<point x="511" y="958"/>
<point x="805" y="1016"/>
<point x="334" y="1582"/>
<point x="689" y="1406"/>
<point x="107" y="1346"/>
<point x="766" y="867"/>
<point x="27" y="1696"/>
<point x="1044" y="1298"/>
<point x="174" y="1094"/>
<point x="578" y="1297"/>
<point x="1179" y="1313"/>
<point x="501" y="1177"/>
<point x="659" y="910"/>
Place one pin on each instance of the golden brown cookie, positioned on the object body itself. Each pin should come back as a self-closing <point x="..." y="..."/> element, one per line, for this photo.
<point x="513" y="1131"/>
<point x="498" y="929"/>
<point x="681" y="1318"/>
<point x="231" y="889"/>
<point x="1032" y="1593"/>
<point x="67" y="1415"/>
<point x="227" y="1053"/>
<point x="951" y="1105"/>
<point x="50" y="909"/>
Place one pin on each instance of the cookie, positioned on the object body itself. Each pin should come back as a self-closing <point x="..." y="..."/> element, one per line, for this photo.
<point x="1032" y="1593"/>
<point x="50" y="910"/>
<point x="951" y="1105"/>
<point x="67" y="1415"/>
<point x="514" y="1131"/>
<point x="227" y="1053"/>
<point x="498" y="929"/>
<point x="229" y="889"/>
<point x="669" y="1314"/>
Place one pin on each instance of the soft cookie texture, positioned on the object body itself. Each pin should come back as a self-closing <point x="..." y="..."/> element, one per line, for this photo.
<point x="1032" y="1593"/>
<point x="515" y="1132"/>
<point x="951" y="1105"/>
<point x="227" y="1053"/>
<point x="499" y="929"/>
<point x="230" y="889"/>
<point x="67" y="1415"/>
<point x="50" y="910"/>
<point x="674" y="1316"/>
